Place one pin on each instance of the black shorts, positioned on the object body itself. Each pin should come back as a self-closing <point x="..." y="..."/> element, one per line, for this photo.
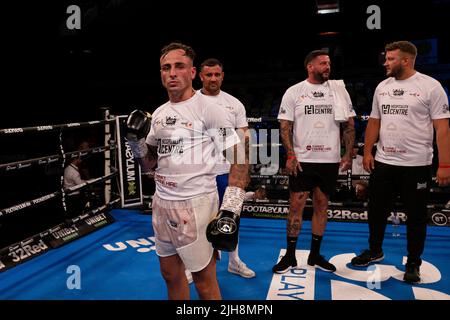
<point x="322" y="175"/>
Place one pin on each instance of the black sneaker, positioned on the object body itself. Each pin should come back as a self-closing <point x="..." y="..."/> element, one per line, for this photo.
<point x="412" y="273"/>
<point x="321" y="263"/>
<point x="366" y="258"/>
<point x="285" y="264"/>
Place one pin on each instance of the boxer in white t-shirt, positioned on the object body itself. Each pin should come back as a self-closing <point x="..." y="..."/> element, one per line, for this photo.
<point x="184" y="136"/>
<point x="406" y="106"/>
<point x="212" y="75"/>
<point x="311" y="136"/>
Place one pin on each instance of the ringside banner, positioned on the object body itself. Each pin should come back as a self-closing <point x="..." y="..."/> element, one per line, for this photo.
<point x="55" y="237"/>
<point x="76" y="228"/>
<point x="337" y="212"/>
<point x="129" y="169"/>
<point x="22" y="251"/>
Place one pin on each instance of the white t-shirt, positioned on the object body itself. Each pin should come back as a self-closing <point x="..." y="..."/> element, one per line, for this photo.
<point x="72" y="177"/>
<point x="238" y="116"/>
<point x="406" y="109"/>
<point x="316" y="134"/>
<point x="188" y="135"/>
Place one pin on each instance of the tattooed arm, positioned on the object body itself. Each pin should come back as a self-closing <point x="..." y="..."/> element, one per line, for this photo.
<point x="240" y="160"/>
<point x="288" y="142"/>
<point x="223" y="230"/>
<point x="348" y="137"/>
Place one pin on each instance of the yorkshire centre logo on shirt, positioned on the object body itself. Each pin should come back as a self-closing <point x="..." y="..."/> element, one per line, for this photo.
<point x="170" y="146"/>
<point x="318" y="109"/>
<point x="395" y="109"/>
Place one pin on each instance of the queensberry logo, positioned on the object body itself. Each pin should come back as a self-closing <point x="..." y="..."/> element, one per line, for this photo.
<point x="317" y="94"/>
<point x="170" y="121"/>
<point x="398" y="92"/>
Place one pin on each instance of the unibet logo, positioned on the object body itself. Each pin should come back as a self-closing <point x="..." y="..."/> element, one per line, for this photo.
<point x="141" y="245"/>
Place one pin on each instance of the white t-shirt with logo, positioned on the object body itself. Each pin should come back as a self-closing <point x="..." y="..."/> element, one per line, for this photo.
<point x="406" y="109"/>
<point x="188" y="135"/>
<point x="238" y="116"/>
<point x="316" y="134"/>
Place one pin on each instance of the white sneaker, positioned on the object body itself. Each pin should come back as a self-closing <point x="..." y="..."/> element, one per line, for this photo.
<point x="188" y="276"/>
<point x="241" y="269"/>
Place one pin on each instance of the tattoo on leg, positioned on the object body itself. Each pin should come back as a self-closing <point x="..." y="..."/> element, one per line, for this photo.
<point x="293" y="227"/>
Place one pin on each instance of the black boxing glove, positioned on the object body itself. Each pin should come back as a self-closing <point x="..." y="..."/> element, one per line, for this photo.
<point x="223" y="230"/>
<point x="138" y="125"/>
<point x="137" y="129"/>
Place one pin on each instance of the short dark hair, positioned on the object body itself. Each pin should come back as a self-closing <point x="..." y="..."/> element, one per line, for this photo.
<point x="178" y="45"/>
<point x="211" y="62"/>
<point x="404" y="46"/>
<point x="313" y="54"/>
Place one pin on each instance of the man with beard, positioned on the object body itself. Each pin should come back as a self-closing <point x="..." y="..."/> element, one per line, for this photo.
<point x="212" y="75"/>
<point x="311" y="136"/>
<point x="406" y="106"/>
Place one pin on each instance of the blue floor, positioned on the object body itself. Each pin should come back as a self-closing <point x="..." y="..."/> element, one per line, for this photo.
<point x="118" y="262"/>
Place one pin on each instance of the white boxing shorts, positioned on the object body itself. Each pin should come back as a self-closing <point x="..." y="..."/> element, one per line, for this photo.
<point x="180" y="228"/>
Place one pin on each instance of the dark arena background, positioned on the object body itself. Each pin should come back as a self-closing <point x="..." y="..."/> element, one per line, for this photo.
<point x="55" y="75"/>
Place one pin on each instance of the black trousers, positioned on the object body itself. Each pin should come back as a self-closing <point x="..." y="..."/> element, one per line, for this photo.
<point x="413" y="186"/>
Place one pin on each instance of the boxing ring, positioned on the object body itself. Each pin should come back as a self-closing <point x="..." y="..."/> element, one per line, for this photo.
<point x="118" y="262"/>
<point x="107" y="252"/>
<point x="127" y="191"/>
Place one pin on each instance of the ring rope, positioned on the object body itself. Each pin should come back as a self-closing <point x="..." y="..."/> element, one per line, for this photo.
<point x="63" y="165"/>
<point x="281" y="176"/>
<point x="53" y="158"/>
<point x="91" y="182"/>
<point x="29" y="203"/>
<point x="54" y="127"/>
<point x="274" y="119"/>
